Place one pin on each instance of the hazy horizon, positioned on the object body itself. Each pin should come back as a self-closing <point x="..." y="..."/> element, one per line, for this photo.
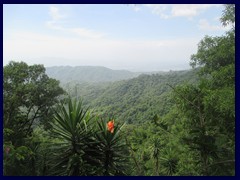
<point x="123" y="69"/>
<point x="138" y="38"/>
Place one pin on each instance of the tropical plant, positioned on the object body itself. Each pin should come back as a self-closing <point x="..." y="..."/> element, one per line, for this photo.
<point x="71" y="155"/>
<point x="112" y="149"/>
<point x="155" y="152"/>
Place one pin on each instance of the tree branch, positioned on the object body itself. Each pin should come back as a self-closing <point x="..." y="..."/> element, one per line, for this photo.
<point x="221" y="162"/>
<point x="183" y="97"/>
<point x="134" y="159"/>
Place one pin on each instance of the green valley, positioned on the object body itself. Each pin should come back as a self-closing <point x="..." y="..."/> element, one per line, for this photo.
<point x="133" y="101"/>
<point x="95" y="121"/>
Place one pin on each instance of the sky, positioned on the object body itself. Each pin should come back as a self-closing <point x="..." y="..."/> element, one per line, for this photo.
<point x="147" y="37"/>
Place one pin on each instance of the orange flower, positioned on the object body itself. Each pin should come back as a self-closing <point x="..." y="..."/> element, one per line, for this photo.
<point x="110" y="126"/>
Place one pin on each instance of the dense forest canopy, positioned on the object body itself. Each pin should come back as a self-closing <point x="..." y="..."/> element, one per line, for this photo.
<point x="169" y="124"/>
<point x="135" y="100"/>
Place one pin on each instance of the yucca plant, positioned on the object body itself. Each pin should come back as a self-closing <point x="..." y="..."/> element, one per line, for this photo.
<point x="169" y="161"/>
<point x="71" y="154"/>
<point x="155" y="152"/>
<point x="112" y="149"/>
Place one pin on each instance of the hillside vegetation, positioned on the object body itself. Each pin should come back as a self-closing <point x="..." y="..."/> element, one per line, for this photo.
<point x="176" y="124"/>
<point x="133" y="101"/>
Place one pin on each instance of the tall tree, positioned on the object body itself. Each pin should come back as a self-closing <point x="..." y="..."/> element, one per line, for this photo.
<point x="28" y="95"/>
<point x="209" y="107"/>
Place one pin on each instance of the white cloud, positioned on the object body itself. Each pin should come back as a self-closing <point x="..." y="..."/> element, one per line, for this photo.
<point x="159" y="9"/>
<point x="179" y="10"/>
<point x="56" y="23"/>
<point x="56" y="18"/>
<point x="86" y="32"/>
<point x="189" y="10"/>
<point x="55" y="13"/>
<point x="206" y="26"/>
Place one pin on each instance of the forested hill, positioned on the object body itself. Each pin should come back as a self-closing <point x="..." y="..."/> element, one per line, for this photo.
<point x="135" y="100"/>
<point x="81" y="74"/>
<point x="179" y="123"/>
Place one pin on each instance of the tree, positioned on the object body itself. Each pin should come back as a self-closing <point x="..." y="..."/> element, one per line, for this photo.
<point x="28" y="95"/>
<point x="208" y="108"/>
<point x="155" y="152"/>
<point x="217" y="52"/>
<point x="228" y="15"/>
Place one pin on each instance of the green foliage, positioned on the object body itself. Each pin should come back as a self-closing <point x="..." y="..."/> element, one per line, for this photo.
<point x="17" y="160"/>
<point x="215" y="52"/>
<point x="136" y="100"/>
<point x="209" y="106"/>
<point x="28" y="95"/>
<point x="228" y="15"/>
<point x="196" y="137"/>
<point x="208" y="128"/>
<point x="85" y="145"/>
<point x="112" y="149"/>
<point x="72" y="128"/>
<point x="177" y="123"/>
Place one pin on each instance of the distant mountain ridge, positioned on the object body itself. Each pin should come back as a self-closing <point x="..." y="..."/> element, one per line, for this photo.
<point x="81" y="74"/>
